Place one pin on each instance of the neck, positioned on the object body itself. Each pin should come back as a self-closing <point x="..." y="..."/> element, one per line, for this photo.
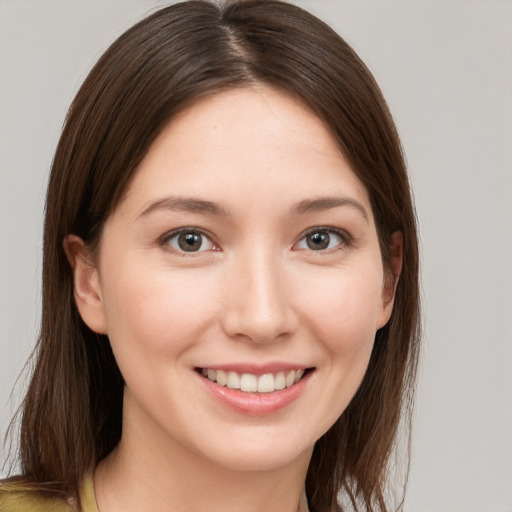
<point x="148" y="472"/>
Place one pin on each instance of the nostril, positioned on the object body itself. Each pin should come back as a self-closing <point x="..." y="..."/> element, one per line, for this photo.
<point x="258" y="326"/>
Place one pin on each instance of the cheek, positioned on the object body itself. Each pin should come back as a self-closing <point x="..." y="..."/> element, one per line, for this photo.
<point x="345" y="306"/>
<point x="156" y="313"/>
<point x="343" y="316"/>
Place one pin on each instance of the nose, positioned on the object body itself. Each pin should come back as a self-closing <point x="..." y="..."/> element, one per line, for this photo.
<point x="257" y="304"/>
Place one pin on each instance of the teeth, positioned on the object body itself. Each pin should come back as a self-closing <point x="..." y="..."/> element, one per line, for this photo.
<point x="266" y="383"/>
<point x="298" y="376"/>
<point x="233" y="380"/>
<point x="290" y="379"/>
<point x="280" y="381"/>
<point x="250" y="383"/>
<point x="220" y="377"/>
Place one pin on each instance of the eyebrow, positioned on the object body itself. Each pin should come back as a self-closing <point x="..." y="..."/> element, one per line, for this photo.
<point x="184" y="204"/>
<point x="326" y="203"/>
<point x="201" y="206"/>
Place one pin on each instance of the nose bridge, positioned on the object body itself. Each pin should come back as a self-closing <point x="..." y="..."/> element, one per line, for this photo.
<point x="258" y="305"/>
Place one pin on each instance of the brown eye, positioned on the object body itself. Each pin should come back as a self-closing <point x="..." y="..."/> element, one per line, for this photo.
<point x="323" y="239"/>
<point x="318" y="241"/>
<point x="189" y="241"/>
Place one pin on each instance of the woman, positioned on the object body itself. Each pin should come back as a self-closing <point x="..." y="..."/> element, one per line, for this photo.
<point x="230" y="282"/>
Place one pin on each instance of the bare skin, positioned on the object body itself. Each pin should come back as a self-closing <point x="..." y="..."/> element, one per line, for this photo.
<point x="244" y="247"/>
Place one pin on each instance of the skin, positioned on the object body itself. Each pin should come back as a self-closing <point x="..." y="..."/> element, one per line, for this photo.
<point x="254" y="294"/>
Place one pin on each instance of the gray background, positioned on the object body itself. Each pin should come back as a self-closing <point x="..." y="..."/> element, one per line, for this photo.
<point x="446" y="69"/>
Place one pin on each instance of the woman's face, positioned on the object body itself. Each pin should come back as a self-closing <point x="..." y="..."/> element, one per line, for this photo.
<point x="243" y="255"/>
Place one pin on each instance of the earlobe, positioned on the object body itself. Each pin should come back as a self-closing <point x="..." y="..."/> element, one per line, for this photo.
<point x="392" y="275"/>
<point x="87" y="289"/>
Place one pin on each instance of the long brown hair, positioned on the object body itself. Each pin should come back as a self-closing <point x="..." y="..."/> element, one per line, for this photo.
<point x="71" y="415"/>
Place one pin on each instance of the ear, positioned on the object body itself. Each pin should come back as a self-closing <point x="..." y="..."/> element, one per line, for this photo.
<point x="87" y="289"/>
<point x="392" y="275"/>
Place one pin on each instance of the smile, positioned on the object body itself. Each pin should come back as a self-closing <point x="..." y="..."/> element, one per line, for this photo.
<point x="250" y="383"/>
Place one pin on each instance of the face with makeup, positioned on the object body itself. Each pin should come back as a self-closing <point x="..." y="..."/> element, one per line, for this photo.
<point x="240" y="283"/>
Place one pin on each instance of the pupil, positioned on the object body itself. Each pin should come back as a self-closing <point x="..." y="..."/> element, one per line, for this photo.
<point x="318" y="241"/>
<point x="189" y="242"/>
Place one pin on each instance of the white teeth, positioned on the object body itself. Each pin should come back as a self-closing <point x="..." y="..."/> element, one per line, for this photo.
<point x="290" y="378"/>
<point x="280" y="381"/>
<point x="221" y="377"/>
<point x="250" y="383"/>
<point x="266" y="383"/>
<point x="233" y="380"/>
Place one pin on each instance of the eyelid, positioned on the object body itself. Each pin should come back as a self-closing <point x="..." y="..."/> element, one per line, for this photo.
<point x="166" y="237"/>
<point x="346" y="238"/>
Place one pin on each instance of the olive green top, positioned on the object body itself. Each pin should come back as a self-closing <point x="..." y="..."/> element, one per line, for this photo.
<point x="15" y="498"/>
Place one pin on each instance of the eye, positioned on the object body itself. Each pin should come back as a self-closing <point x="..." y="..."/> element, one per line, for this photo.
<point x="322" y="239"/>
<point x="189" y="240"/>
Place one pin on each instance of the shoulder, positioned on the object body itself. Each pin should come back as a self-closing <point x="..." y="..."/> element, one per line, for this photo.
<point x="16" y="499"/>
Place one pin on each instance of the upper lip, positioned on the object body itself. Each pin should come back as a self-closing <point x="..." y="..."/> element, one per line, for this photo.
<point x="257" y="369"/>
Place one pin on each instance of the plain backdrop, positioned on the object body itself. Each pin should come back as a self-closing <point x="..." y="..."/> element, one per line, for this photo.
<point x="445" y="67"/>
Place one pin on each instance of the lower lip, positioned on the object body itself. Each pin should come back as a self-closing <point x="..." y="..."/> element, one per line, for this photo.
<point x="256" y="404"/>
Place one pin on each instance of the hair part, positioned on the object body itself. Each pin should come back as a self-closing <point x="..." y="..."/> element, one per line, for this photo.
<point x="71" y="415"/>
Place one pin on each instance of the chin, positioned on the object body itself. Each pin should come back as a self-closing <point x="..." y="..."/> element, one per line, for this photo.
<point x="261" y="460"/>
<point x="258" y="451"/>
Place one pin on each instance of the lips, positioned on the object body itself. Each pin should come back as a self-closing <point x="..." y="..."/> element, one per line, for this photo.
<point x="251" y="383"/>
<point x="255" y="391"/>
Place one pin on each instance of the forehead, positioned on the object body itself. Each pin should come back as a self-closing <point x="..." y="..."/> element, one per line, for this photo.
<point x="261" y="137"/>
<point x="258" y="110"/>
<point x="253" y="113"/>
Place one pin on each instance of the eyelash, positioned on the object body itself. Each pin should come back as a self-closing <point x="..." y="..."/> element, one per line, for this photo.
<point x="166" y="239"/>
<point x="345" y="239"/>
